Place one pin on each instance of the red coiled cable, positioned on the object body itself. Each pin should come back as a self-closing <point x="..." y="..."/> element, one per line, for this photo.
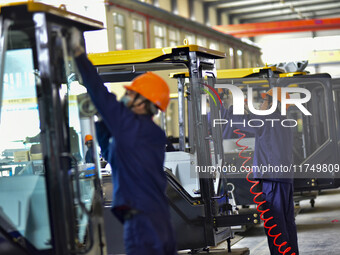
<point x="257" y="194"/>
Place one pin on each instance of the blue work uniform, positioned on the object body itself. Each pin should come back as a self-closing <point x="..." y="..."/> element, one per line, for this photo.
<point x="273" y="148"/>
<point x="89" y="157"/>
<point x="135" y="148"/>
<point x="227" y="131"/>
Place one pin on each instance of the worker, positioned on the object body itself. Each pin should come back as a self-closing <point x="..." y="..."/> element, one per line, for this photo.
<point x="273" y="147"/>
<point x="89" y="156"/>
<point x="136" y="152"/>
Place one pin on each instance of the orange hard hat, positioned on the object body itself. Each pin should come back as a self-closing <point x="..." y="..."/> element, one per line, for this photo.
<point x="88" y="138"/>
<point x="270" y="93"/>
<point x="152" y="87"/>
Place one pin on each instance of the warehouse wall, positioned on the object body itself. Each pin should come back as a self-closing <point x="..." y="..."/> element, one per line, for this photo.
<point x="183" y="8"/>
<point x="159" y="32"/>
<point x="165" y="4"/>
<point x="198" y="12"/>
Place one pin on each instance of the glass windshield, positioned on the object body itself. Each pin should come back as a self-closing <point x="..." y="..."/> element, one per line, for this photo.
<point x="78" y="115"/>
<point x="23" y="201"/>
<point x="310" y="128"/>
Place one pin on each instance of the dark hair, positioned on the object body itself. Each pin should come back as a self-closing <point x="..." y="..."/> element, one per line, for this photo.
<point x="150" y="108"/>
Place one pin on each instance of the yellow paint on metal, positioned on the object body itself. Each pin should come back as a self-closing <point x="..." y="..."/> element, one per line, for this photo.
<point x="178" y="75"/>
<point x="145" y="55"/>
<point x="60" y="12"/>
<point x="282" y="75"/>
<point x="212" y="53"/>
<point x="242" y="72"/>
<point x="175" y="95"/>
<point x="126" y="56"/>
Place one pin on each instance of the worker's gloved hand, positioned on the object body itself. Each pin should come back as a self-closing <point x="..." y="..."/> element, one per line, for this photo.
<point x="74" y="42"/>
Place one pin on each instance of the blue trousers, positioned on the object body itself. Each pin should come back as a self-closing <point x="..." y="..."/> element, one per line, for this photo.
<point x="149" y="235"/>
<point x="279" y="197"/>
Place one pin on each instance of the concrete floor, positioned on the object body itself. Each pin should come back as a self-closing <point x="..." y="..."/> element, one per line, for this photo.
<point x="318" y="228"/>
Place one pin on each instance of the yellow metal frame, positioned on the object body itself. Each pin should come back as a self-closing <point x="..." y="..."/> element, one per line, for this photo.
<point x="282" y="75"/>
<point x="242" y="73"/>
<point x="60" y="12"/>
<point x="146" y="55"/>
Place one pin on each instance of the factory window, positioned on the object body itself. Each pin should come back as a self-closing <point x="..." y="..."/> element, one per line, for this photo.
<point x="191" y="38"/>
<point x="214" y="46"/>
<point x="252" y="60"/>
<point x="138" y="33"/>
<point x="231" y="57"/>
<point x="247" y="60"/>
<point x="201" y="41"/>
<point x="119" y="30"/>
<point x="147" y="1"/>
<point x="239" y="58"/>
<point x="160" y="41"/>
<point x="173" y="38"/>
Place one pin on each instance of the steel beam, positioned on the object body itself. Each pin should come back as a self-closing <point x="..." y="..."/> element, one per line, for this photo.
<point x="254" y="29"/>
<point x="330" y="13"/>
<point x="270" y="6"/>
<point x="288" y="11"/>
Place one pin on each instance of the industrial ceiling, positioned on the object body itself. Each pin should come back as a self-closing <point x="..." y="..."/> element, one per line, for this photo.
<point x="254" y="16"/>
<point x="251" y="11"/>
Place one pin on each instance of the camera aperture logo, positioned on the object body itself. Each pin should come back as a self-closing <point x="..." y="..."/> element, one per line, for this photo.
<point x="239" y="99"/>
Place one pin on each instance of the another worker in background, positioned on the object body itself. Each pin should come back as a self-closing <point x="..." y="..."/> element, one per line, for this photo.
<point x="89" y="156"/>
<point x="135" y="147"/>
<point x="273" y="147"/>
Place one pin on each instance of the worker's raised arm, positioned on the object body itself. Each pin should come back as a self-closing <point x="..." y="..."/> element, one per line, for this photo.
<point x="114" y="113"/>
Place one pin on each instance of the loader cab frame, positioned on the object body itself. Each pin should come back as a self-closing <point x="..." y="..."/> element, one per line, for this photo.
<point x="315" y="137"/>
<point x="50" y="200"/>
<point x="198" y="202"/>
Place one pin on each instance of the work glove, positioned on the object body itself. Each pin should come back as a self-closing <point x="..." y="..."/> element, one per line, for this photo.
<point x="75" y="42"/>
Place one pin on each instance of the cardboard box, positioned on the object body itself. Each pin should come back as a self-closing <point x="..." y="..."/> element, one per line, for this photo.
<point x="20" y="156"/>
